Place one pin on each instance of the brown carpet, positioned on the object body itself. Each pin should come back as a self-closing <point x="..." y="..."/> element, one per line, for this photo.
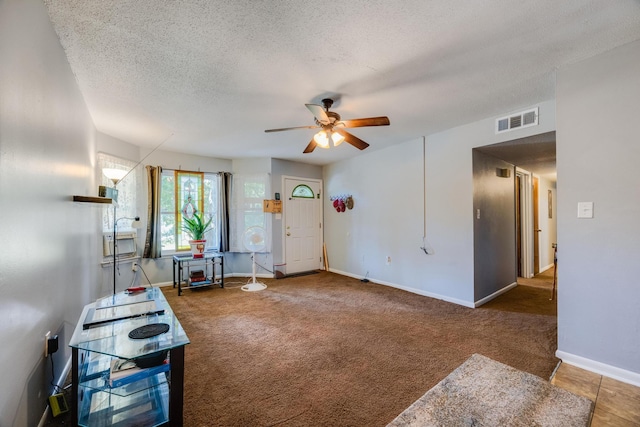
<point x="328" y="350"/>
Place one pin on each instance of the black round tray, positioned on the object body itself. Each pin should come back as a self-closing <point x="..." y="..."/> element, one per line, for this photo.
<point x="148" y="331"/>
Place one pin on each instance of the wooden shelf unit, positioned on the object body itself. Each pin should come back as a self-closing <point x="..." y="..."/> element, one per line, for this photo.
<point x="93" y="199"/>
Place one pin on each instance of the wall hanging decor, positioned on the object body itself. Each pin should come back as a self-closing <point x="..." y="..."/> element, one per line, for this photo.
<point x="342" y="202"/>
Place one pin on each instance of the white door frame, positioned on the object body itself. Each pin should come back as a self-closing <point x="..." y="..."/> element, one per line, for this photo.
<point x="285" y="201"/>
<point x="526" y="204"/>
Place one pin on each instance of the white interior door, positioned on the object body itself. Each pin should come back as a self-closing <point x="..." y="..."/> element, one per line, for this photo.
<point x="302" y="224"/>
<point x="526" y="218"/>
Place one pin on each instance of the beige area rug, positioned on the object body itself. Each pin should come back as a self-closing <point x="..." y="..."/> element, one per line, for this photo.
<point x="483" y="392"/>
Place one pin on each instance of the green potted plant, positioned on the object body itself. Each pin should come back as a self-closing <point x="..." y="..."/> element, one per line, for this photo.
<point x="196" y="227"/>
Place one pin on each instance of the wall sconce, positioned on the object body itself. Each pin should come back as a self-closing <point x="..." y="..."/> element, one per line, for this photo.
<point x="342" y="202"/>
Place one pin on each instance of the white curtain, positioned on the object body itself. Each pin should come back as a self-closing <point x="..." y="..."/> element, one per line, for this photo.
<point x="248" y="192"/>
<point x="128" y="188"/>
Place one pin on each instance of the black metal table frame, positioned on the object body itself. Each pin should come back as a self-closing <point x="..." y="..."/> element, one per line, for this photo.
<point x="179" y="260"/>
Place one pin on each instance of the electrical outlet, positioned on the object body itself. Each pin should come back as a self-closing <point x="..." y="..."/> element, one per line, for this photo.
<point x="388" y="260"/>
<point x="52" y="344"/>
<point x="46" y="343"/>
<point x="134" y="266"/>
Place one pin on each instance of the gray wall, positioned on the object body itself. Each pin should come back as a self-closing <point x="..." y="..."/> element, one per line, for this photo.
<point x="494" y="240"/>
<point x="598" y="148"/>
<point x="49" y="253"/>
<point x="388" y="219"/>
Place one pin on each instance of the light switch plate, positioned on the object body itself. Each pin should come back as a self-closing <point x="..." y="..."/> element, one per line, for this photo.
<point x="585" y="209"/>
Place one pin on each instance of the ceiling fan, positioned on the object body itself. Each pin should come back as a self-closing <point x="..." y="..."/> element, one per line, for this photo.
<point x="333" y="127"/>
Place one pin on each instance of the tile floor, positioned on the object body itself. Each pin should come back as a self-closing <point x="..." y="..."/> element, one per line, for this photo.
<point x="616" y="403"/>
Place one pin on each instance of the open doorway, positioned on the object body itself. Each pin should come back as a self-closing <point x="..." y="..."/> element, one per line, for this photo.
<point x="532" y="161"/>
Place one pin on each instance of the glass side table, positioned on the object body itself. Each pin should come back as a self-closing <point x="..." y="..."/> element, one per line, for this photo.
<point x="150" y="394"/>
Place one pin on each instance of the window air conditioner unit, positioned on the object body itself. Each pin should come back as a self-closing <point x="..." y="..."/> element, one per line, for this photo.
<point x="126" y="244"/>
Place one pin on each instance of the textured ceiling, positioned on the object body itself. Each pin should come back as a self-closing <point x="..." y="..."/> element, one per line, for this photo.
<point x="208" y="77"/>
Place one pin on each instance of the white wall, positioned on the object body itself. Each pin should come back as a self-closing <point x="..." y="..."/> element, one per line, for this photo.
<point x="597" y="156"/>
<point x="117" y="147"/>
<point x="388" y="217"/>
<point x="190" y="162"/>
<point x="49" y="266"/>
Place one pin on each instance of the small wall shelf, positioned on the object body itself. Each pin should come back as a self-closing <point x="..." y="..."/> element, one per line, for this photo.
<point x="91" y="199"/>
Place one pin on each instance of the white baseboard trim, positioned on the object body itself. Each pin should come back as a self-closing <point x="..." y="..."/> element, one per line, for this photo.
<point x="44" y="417"/>
<point x="600" y="368"/>
<point x="226" y="276"/>
<point x="248" y="275"/>
<point x="495" y="294"/>
<point x="545" y="268"/>
<point x="409" y="289"/>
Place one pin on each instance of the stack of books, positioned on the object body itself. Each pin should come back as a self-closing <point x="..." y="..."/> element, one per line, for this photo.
<point x="197" y="277"/>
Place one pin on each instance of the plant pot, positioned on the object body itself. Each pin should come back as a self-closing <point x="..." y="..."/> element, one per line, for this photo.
<point x="197" y="248"/>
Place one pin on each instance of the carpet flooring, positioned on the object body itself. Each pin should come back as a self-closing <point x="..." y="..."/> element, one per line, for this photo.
<point x="328" y="350"/>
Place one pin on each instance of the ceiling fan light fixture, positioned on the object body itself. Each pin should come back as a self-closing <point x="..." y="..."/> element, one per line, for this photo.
<point x="321" y="139"/>
<point x="332" y="127"/>
<point x="337" y="138"/>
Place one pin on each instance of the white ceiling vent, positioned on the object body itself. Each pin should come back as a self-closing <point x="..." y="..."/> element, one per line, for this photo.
<point x="517" y="121"/>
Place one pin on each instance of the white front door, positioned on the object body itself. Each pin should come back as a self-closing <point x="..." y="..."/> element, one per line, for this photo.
<point x="302" y="224"/>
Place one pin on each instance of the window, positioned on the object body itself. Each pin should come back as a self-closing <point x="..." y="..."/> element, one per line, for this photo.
<point x="127" y="190"/>
<point x="182" y="194"/>
<point x="302" y="191"/>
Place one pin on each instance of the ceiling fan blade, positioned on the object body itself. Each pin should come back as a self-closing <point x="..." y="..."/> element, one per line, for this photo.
<point x="310" y="147"/>
<point x="352" y="139"/>
<point x="297" y="127"/>
<point x="319" y="113"/>
<point x="370" y="121"/>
